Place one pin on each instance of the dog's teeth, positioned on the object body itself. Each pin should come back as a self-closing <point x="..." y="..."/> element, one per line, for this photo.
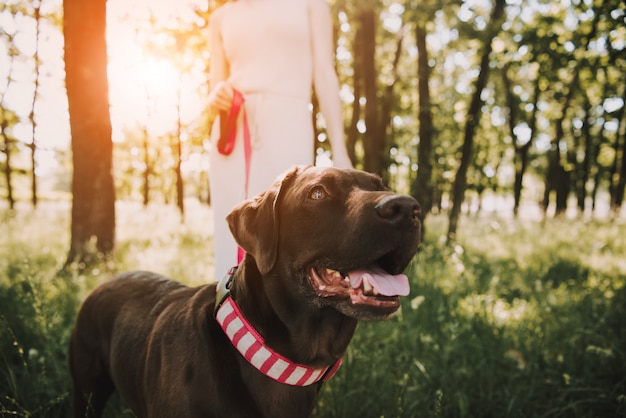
<point x="367" y="287"/>
<point x="333" y="274"/>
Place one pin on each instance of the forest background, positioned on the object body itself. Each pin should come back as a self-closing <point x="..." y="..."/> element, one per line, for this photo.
<point x="505" y="119"/>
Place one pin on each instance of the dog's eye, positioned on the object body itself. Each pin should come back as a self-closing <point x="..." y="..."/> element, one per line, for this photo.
<point x="318" y="193"/>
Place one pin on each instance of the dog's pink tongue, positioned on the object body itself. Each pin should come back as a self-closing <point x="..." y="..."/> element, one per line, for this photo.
<point x="386" y="284"/>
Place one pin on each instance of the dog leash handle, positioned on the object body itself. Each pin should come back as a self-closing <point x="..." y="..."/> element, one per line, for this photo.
<point x="228" y="132"/>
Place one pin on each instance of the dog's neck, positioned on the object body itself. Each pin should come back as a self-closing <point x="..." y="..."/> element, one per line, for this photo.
<point x="318" y="338"/>
<point x="252" y="347"/>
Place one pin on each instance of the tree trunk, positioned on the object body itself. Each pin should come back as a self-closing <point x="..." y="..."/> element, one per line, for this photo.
<point x="422" y="188"/>
<point x="180" y="194"/>
<point x="473" y="117"/>
<point x="551" y="174"/>
<point x="33" y="123"/>
<point x="385" y="125"/>
<point x="8" y="119"/>
<point x="618" y="183"/>
<point x="7" y="149"/>
<point x="599" y="169"/>
<point x="353" y="131"/>
<point x="557" y="177"/>
<point x="147" y="167"/>
<point x="583" y="170"/>
<point x="521" y="151"/>
<point x="373" y="145"/>
<point x="621" y="181"/>
<point x="93" y="210"/>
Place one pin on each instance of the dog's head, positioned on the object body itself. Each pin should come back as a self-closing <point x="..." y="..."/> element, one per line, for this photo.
<point x="329" y="237"/>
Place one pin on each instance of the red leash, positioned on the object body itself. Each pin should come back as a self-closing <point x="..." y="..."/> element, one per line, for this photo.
<point x="228" y="137"/>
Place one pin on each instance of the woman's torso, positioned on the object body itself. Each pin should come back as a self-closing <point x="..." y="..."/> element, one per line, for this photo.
<point x="268" y="46"/>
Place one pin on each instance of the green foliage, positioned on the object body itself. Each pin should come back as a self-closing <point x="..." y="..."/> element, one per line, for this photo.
<point x="37" y="308"/>
<point x="517" y="319"/>
<point x="38" y="302"/>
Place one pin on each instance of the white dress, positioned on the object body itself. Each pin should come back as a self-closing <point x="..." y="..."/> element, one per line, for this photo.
<point x="264" y="49"/>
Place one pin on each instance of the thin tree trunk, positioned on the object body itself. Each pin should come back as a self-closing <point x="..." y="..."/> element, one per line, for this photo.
<point x="423" y="185"/>
<point x="353" y="130"/>
<point x="147" y="167"/>
<point x="473" y="118"/>
<point x="373" y="145"/>
<point x="521" y="151"/>
<point x="621" y="182"/>
<point x="7" y="120"/>
<point x="7" y="149"/>
<point x="557" y="177"/>
<point x="385" y="125"/>
<point x="31" y="116"/>
<point x="583" y="172"/>
<point x="180" y="198"/>
<point x="619" y="172"/>
<point x="598" y="167"/>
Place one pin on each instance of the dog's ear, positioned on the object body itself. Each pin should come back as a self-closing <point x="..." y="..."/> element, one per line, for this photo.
<point x="254" y="223"/>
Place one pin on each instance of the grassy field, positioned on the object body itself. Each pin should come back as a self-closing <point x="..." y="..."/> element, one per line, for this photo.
<point x="518" y="319"/>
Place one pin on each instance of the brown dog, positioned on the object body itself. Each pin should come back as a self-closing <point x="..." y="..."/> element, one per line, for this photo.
<point x="324" y="248"/>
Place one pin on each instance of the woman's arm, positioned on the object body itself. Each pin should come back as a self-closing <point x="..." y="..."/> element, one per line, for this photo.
<point x="221" y="93"/>
<point x="325" y="79"/>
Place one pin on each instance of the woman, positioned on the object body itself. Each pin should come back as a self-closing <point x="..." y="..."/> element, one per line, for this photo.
<point x="272" y="52"/>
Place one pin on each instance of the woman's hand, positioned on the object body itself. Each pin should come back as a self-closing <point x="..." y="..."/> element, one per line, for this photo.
<point x="221" y="97"/>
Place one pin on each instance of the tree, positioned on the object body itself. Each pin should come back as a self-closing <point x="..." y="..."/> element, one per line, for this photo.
<point x="8" y="118"/>
<point x="93" y="210"/>
<point x="7" y="147"/>
<point x="183" y="64"/>
<point x="521" y="146"/>
<point x="558" y="176"/>
<point x="423" y="185"/>
<point x="352" y="134"/>
<point x="420" y="110"/>
<point x="583" y="168"/>
<point x="33" y="122"/>
<point x="373" y="143"/>
<point x="472" y="120"/>
<point x="618" y="184"/>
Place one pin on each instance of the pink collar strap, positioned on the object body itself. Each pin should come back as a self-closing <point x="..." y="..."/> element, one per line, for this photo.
<point x="252" y="347"/>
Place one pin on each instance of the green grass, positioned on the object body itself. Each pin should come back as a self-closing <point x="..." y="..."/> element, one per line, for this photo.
<point x="518" y="319"/>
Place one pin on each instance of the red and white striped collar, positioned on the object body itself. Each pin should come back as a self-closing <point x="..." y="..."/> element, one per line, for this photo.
<point x="252" y="347"/>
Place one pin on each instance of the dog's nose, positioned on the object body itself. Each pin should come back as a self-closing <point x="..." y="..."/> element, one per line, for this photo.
<point x="395" y="208"/>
